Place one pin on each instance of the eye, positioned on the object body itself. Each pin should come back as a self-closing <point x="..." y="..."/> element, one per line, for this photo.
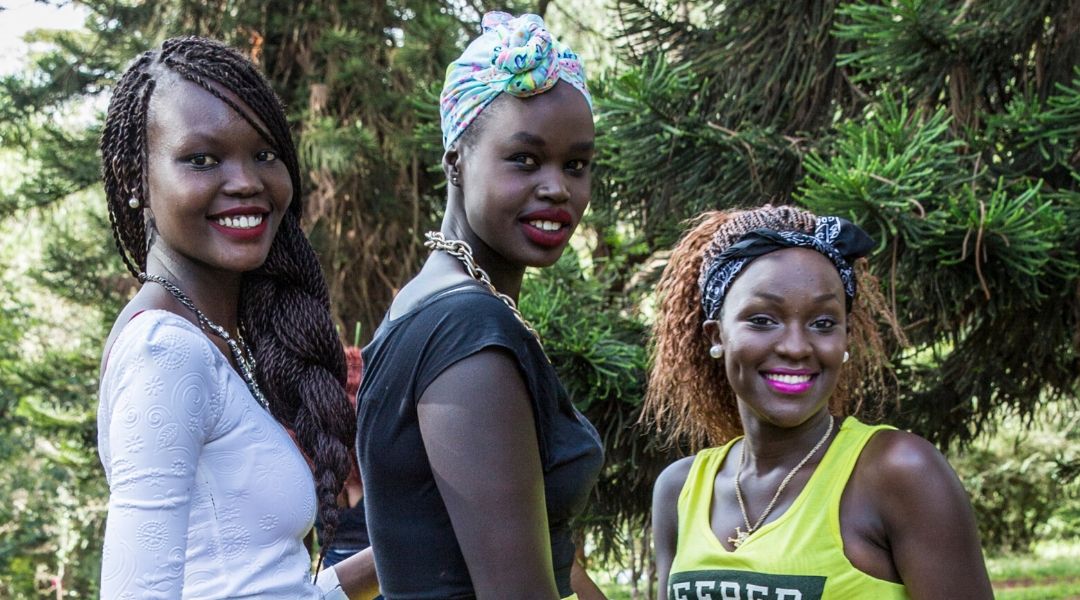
<point x="825" y="324"/>
<point x="202" y="160"/>
<point x="577" y="166"/>
<point x="525" y="160"/>
<point x="760" y="321"/>
<point x="266" y="156"/>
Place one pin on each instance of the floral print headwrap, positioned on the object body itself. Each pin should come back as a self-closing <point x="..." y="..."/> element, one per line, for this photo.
<point x="515" y="55"/>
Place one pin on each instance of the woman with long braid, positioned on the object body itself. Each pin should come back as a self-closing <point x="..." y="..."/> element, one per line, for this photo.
<point x="752" y="337"/>
<point x="473" y="457"/>
<point x="228" y="340"/>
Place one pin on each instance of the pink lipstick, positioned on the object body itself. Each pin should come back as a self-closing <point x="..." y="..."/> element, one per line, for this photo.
<point x="788" y="381"/>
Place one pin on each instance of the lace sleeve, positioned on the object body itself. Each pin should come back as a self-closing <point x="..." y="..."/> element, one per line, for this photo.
<point x="161" y="395"/>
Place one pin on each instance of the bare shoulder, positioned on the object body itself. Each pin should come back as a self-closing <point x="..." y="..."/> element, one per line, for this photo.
<point x="907" y="474"/>
<point x="673" y="477"/>
<point x="894" y="455"/>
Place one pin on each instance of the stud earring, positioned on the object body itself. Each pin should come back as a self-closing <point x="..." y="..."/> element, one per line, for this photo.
<point x="133" y="202"/>
<point x="454" y="180"/>
<point x="846" y="356"/>
<point x="716" y="351"/>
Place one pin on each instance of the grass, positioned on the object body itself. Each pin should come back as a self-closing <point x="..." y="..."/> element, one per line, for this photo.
<point x="1050" y="572"/>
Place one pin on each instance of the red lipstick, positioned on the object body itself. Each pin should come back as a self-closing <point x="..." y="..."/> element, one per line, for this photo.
<point x="549" y="238"/>
<point x="241" y="231"/>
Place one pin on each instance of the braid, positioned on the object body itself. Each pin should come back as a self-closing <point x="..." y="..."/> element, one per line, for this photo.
<point x="285" y="309"/>
<point x="124" y="158"/>
<point x="689" y="396"/>
<point x="284" y="305"/>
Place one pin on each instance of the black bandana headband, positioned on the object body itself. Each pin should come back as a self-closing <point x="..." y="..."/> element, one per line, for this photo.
<point x="840" y="240"/>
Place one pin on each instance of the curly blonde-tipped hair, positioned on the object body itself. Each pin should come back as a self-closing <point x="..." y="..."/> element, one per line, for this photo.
<point x="689" y="398"/>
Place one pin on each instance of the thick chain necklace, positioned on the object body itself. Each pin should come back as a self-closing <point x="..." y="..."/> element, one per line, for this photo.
<point x="740" y="536"/>
<point x="463" y="252"/>
<point x="239" y="349"/>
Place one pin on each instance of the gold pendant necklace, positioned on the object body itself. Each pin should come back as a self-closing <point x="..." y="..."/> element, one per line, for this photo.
<point x="740" y="536"/>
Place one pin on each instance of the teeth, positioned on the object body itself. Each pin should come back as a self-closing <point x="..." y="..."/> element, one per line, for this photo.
<point x="787" y="378"/>
<point x="241" y="222"/>
<point x="546" y="225"/>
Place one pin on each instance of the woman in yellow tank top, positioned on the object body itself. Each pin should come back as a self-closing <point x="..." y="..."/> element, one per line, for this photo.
<point x="757" y="311"/>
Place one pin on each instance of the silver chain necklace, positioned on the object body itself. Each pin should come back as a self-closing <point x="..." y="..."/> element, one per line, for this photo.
<point x="740" y="535"/>
<point x="240" y="350"/>
<point x="462" y="251"/>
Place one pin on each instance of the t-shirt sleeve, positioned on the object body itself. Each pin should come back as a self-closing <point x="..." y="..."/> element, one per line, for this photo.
<point x="162" y="393"/>
<point x="466" y="323"/>
<point x="469" y="322"/>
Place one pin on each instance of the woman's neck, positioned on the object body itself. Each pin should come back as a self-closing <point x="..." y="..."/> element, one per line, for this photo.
<point x="769" y="447"/>
<point x="505" y="276"/>
<point x="214" y="292"/>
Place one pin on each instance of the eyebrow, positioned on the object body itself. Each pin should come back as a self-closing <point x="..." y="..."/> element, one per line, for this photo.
<point x="535" y="140"/>
<point x="779" y="299"/>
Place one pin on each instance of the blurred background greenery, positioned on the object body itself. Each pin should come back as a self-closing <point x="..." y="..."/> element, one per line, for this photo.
<point x="950" y="129"/>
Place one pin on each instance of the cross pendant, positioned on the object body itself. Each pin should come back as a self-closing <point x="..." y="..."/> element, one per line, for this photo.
<point x="740" y="537"/>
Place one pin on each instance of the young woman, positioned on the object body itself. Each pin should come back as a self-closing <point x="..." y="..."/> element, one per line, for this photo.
<point x="757" y="310"/>
<point x="473" y="458"/>
<point x="229" y="338"/>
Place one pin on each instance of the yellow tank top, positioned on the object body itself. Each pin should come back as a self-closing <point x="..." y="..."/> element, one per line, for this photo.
<point x="799" y="556"/>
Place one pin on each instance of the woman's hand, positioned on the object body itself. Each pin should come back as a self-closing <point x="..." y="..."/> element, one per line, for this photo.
<point x="356" y="576"/>
<point x="583" y="585"/>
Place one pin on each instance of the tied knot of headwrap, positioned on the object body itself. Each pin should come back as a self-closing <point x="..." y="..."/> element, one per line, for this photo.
<point x="523" y="48"/>
<point x="516" y="55"/>
<point x="838" y="239"/>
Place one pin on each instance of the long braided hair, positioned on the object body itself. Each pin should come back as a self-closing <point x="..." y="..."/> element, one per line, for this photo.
<point x="284" y="305"/>
<point x="689" y="396"/>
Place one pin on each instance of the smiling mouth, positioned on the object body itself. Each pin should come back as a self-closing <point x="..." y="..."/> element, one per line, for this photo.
<point x="241" y="221"/>
<point x="546" y="225"/>
<point x="789" y="379"/>
<point x="789" y="383"/>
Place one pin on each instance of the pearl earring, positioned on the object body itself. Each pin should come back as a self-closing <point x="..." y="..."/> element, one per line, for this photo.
<point x="133" y="202"/>
<point x="846" y="356"/>
<point x="716" y="351"/>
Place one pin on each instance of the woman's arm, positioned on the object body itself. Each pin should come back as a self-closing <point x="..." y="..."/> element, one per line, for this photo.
<point x="356" y="575"/>
<point x="927" y="516"/>
<point x="477" y="424"/>
<point x="151" y="444"/>
<point x="665" y="519"/>
<point x="583" y="585"/>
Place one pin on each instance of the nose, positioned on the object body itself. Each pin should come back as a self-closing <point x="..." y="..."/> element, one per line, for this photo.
<point x="794" y="343"/>
<point x="242" y="179"/>
<point x="553" y="187"/>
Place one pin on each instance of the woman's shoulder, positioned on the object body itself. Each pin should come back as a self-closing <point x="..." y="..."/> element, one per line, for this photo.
<point x="898" y="455"/>
<point x="673" y="477"/>
<point x="167" y="339"/>
<point x="906" y="474"/>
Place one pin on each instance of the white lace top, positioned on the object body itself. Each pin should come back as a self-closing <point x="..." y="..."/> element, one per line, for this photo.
<point x="209" y="496"/>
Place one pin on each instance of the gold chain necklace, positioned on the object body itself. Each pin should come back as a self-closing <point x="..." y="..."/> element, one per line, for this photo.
<point x="462" y="251"/>
<point x="740" y="535"/>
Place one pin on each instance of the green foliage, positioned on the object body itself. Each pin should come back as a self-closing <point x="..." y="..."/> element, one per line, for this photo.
<point x="49" y="470"/>
<point x="1021" y="484"/>
<point x="946" y="128"/>
<point x="598" y="348"/>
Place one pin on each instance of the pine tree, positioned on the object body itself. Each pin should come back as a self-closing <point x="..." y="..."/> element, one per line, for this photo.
<point x="946" y="128"/>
